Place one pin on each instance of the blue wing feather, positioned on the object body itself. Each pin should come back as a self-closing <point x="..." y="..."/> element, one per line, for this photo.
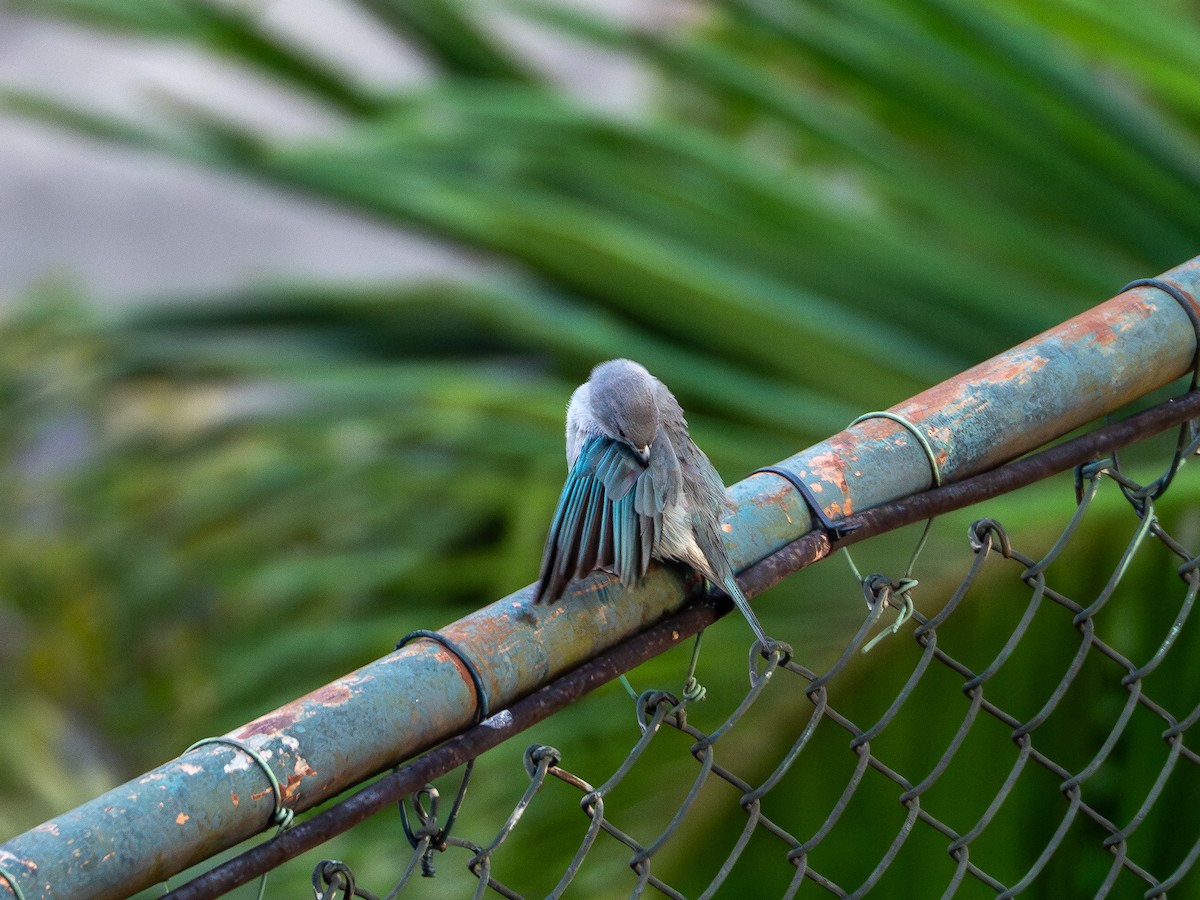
<point x="609" y="516"/>
<point x="606" y="554"/>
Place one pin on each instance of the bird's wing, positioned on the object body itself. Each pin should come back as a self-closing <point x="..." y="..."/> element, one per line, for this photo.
<point x="609" y="516"/>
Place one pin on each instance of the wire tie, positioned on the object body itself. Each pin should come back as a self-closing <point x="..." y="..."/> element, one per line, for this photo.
<point x="282" y="816"/>
<point x="903" y="615"/>
<point x="834" y="530"/>
<point x="482" y="704"/>
<point x="1188" y="303"/>
<point x="482" y="711"/>
<point x="875" y="585"/>
<point x="12" y="883"/>
<point x="915" y="432"/>
<point x="1187" y="432"/>
<point x="693" y="690"/>
<point x="336" y="876"/>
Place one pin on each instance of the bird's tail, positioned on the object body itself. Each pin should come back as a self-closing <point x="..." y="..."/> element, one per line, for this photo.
<point x="729" y="584"/>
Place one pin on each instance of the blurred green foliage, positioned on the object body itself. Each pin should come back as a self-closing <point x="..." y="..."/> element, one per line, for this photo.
<point x="214" y="504"/>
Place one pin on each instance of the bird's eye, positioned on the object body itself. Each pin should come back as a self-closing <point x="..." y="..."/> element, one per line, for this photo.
<point x="621" y="432"/>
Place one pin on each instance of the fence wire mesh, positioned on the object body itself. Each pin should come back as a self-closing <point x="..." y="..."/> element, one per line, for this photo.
<point x="1027" y="726"/>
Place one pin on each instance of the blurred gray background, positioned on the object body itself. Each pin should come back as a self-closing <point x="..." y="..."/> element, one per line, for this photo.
<point x="129" y="226"/>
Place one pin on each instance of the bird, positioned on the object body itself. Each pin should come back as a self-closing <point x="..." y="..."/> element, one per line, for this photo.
<point x="638" y="488"/>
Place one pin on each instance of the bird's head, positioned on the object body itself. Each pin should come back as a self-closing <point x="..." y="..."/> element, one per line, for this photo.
<point x="622" y="400"/>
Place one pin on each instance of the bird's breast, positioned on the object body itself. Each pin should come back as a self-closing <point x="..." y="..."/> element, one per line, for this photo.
<point x="678" y="539"/>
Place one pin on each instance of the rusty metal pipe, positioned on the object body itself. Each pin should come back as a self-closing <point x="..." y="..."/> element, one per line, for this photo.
<point x="996" y="411"/>
<point x="317" y="746"/>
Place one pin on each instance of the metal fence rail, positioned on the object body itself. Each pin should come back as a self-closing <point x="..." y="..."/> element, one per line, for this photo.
<point x="341" y="734"/>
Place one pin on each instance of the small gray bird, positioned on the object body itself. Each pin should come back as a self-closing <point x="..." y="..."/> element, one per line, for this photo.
<point x="638" y="488"/>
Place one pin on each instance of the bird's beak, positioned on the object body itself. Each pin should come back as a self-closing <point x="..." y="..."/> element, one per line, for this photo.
<point x="644" y="454"/>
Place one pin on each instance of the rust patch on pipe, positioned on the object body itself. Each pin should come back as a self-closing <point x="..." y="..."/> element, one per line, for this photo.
<point x="1018" y="368"/>
<point x="300" y="771"/>
<point x="334" y="694"/>
<point x="285" y="717"/>
<point x="275" y="723"/>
